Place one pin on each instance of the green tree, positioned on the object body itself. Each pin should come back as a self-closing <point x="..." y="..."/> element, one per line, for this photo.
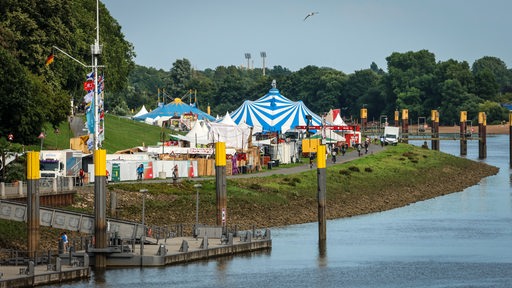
<point x="410" y="78"/>
<point x="498" y="68"/>
<point x="494" y="113"/>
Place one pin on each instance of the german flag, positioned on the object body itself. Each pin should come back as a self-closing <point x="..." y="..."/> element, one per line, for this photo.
<point x="49" y="60"/>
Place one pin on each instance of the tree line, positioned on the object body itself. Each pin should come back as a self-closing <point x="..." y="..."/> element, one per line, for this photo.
<point x="414" y="80"/>
<point x="33" y="93"/>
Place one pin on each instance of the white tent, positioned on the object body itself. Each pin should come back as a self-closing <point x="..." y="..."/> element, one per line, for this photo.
<point x="227" y="120"/>
<point x="141" y="112"/>
<point x="338" y="121"/>
<point x="198" y="134"/>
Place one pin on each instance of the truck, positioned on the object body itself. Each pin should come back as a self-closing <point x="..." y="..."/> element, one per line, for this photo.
<point x="60" y="163"/>
<point x="391" y="135"/>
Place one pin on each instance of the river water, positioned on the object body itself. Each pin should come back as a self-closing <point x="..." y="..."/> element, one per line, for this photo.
<point x="459" y="240"/>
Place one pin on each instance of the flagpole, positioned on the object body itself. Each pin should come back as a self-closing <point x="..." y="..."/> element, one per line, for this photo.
<point x="96" y="51"/>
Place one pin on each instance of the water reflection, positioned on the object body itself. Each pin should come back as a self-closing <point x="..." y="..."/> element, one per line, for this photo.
<point x="322" y="253"/>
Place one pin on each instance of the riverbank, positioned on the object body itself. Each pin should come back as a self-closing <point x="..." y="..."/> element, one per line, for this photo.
<point x="490" y="129"/>
<point x="392" y="178"/>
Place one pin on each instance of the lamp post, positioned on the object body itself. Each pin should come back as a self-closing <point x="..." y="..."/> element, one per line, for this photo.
<point x="197" y="202"/>
<point x="143" y="236"/>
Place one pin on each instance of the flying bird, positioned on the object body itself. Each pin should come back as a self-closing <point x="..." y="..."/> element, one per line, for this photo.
<point x="310" y="14"/>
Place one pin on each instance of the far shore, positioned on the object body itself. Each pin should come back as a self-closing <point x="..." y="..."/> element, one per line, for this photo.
<point x="490" y="129"/>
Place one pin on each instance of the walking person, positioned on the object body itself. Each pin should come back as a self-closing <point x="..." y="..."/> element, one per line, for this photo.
<point x="81" y="176"/>
<point x="64" y="239"/>
<point x="175" y="174"/>
<point x="140" y="171"/>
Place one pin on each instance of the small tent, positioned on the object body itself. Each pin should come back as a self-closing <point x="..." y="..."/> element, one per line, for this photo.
<point x="141" y="112"/>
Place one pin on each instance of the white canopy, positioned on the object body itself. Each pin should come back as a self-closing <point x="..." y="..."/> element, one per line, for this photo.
<point x="142" y="111"/>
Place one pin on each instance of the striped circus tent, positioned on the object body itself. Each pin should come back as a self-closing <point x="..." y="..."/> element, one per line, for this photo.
<point x="274" y="113"/>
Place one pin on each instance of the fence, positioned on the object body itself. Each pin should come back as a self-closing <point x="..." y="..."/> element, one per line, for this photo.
<point x="46" y="186"/>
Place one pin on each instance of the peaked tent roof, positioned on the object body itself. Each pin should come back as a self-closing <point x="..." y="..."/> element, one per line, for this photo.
<point x="227" y="120"/>
<point x="175" y="108"/>
<point x="141" y="112"/>
<point x="274" y="113"/>
<point x="338" y="121"/>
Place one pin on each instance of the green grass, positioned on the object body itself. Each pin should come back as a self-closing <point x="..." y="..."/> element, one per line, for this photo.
<point x="120" y="133"/>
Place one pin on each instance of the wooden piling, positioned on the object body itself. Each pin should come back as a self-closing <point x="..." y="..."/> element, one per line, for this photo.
<point x="405" y="123"/>
<point x="220" y="177"/>
<point x="435" y="130"/>
<point x="482" y="135"/>
<point x="510" y="137"/>
<point x="321" y="182"/>
<point x="463" y="130"/>
<point x="364" y="119"/>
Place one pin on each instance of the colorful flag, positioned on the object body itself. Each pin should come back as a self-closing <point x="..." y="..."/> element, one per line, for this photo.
<point x="90" y="76"/>
<point x="50" y="59"/>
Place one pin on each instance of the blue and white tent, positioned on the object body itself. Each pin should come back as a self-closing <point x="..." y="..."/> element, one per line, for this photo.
<point x="274" y="113"/>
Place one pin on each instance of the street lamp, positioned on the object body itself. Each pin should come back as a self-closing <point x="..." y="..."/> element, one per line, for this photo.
<point x="143" y="236"/>
<point x="197" y="202"/>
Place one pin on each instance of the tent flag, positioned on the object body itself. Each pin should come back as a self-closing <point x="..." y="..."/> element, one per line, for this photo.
<point x="49" y="59"/>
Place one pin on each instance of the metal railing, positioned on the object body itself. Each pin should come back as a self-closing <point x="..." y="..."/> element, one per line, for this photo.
<point x="46" y="186"/>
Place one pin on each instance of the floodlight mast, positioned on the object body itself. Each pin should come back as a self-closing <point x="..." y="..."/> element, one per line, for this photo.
<point x="248" y="57"/>
<point x="263" y="56"/>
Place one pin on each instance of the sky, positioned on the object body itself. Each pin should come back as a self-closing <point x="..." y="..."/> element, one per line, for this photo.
<point x="347" y="35"/>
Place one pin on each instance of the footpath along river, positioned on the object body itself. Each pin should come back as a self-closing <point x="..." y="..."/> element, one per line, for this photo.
<point x="462" y="239"/>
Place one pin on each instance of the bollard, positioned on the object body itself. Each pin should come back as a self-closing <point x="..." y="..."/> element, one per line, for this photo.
<point x="2" y="189"/>
<point x="204" y="243"/>
<point x="184" y="246"/>
<point x="20" y="188"/>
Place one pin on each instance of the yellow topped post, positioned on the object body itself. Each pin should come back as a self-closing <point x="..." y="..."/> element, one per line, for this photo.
<point x="33" y="166"/>
<point x="320" y="157"/>
<point x="220" y="154"/>
<point x="100" y="162"/>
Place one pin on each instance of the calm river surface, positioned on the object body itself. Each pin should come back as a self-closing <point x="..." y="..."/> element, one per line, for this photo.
<point x="459" y="240"/>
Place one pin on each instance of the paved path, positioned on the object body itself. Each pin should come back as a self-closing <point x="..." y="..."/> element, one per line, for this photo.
<point x="373" y="148"/>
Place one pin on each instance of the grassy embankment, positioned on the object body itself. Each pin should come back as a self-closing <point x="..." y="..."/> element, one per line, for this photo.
<point x="392" y="178"/>
<point x="121" y="133"/>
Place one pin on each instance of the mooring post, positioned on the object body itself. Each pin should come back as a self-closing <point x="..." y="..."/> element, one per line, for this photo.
<point x="435" y="130"/>
<point x="510" y="137"/>
<point x="321" y="181"/>
<point x="364" y="120"/>
<point x="482" y="135"/>
<point x="463" y="131"/>
<point x="220" y="177"/>
<point x="405" y="124"/>
<point x="100" y="206"/>
<point x="33" y="221"/>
